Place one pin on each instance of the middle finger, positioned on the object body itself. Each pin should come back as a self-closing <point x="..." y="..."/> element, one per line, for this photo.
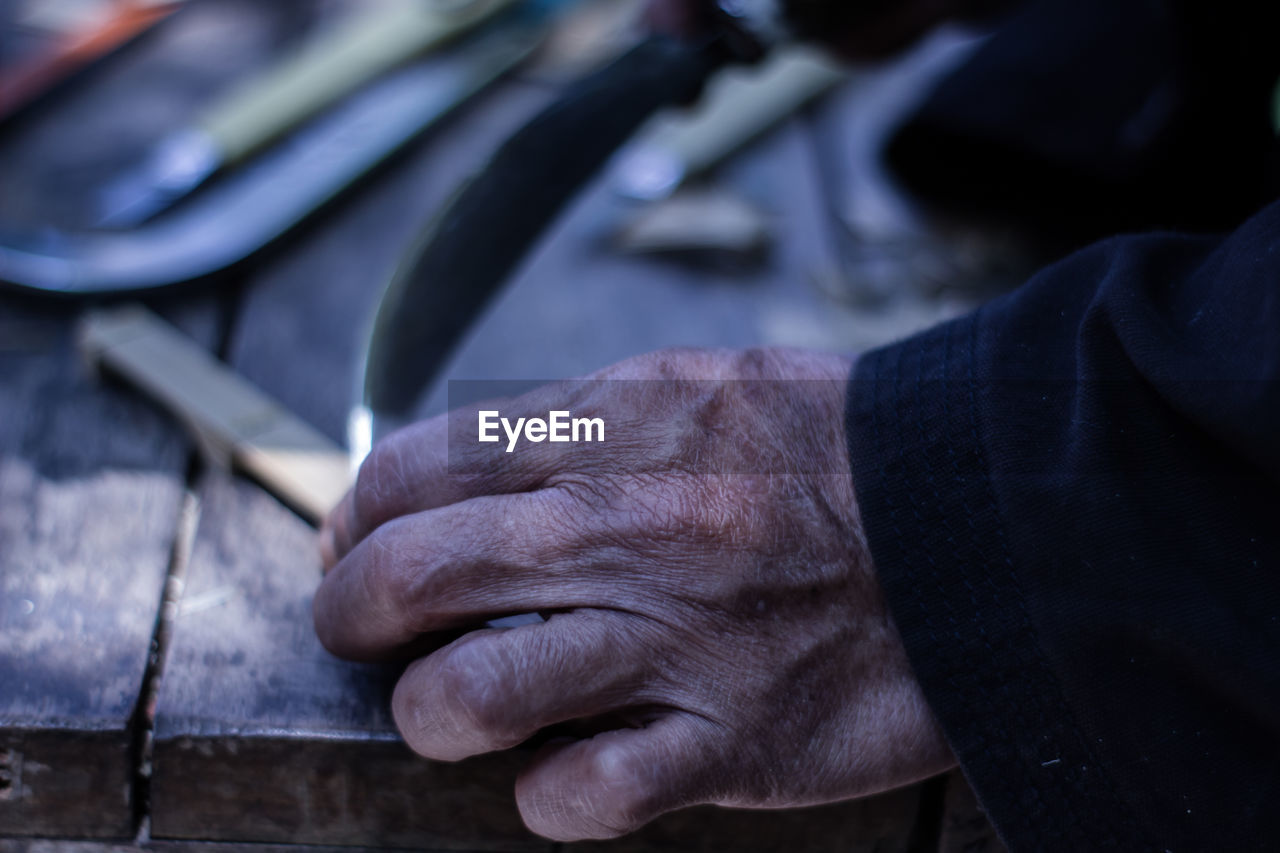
<point x="464" y="564"/>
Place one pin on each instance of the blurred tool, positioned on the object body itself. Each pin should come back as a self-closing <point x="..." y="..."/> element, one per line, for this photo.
<point x="234" y="423"/>
<point x="586" y="38"/>
<point x="260" y="202"/>
<point x="739" y="105"/>
<point x="705" y="223"/>
<point x="322" y="72"/>
<point x="86" y="36"/>
<point x="469" y="249"/>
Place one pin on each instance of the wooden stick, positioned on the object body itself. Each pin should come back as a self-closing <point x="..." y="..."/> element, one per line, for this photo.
<point x="235" y="423"/>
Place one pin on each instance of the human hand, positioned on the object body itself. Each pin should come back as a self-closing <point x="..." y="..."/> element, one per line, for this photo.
<point x="712" y="602"/>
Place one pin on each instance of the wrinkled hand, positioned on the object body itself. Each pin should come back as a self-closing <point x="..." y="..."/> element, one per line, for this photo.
<point x="713" y="605"/>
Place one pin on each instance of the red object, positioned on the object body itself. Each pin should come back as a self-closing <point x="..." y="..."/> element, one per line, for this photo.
<point x="125" y="20"/>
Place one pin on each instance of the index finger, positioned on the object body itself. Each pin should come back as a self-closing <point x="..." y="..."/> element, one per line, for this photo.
<point x="443" y="461"/>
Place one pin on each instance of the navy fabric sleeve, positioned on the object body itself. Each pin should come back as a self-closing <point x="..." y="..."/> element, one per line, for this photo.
<point x="1086" y="118"/>
<point x="1072" y="497"/>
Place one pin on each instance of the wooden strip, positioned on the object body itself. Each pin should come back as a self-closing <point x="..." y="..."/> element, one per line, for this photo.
<point x="232" y="420"/>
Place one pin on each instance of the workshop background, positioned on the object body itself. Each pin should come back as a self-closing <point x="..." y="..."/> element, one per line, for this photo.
<point x="159" y="680"/>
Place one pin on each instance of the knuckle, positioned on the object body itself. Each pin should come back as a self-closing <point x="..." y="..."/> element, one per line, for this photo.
<point x="413" y="713"/>
<point x="626" y="799"/>
<point x="325" y="620"/>
<point x="391" y="574"/>
<point x="381" y="477"/>
<point x="668" y="363"/>
<point x="754" y="362"/>
<point x="545" y="809"/>
<point x="472" y="684"/>
<point x="452" y="708"/>
<point x="681" y="509"/>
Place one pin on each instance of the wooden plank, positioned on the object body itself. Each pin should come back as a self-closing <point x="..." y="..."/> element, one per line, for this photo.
<point x="262" y="736"/>
<point x="288" y="743"/>
<point x="44" y="845"/>
<point x="41" y="845"/>
<point x="90" y="485"/>
<point x="91" y="475"/>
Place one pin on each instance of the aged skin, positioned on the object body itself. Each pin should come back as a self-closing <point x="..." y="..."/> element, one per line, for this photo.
<point x="712" y="603"/>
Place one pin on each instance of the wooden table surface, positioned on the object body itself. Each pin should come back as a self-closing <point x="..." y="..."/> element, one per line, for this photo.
<point x="159" y="679"/>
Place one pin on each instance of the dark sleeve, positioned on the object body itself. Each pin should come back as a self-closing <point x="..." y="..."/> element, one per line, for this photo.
<point x="1086" y="118"/>
<point x="1072" y="500"/>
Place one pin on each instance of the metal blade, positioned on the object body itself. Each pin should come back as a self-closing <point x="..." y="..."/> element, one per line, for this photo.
<point x="480" y="236"/>
<point x="174" y="168"/>
<point x="259" y="203"/>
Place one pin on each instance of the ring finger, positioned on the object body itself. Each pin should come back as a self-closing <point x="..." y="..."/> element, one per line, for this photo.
<point x="493" y="689"/>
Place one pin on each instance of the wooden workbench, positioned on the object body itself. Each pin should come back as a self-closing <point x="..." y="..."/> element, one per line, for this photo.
<point x="159" y="679"/>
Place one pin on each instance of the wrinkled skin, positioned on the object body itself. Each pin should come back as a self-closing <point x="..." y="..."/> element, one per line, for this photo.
<point x="713" y="607"/>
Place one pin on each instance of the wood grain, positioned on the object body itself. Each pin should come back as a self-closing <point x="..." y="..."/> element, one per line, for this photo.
<point x="288" y="743"/>
<point x="90" y="482"/>
<point x="91" y="474"/>
<point x="262" y="736"/>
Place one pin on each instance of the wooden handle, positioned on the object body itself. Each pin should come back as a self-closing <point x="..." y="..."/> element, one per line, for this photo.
<point x="236" y="423"/>
<point x="335" y="64"/>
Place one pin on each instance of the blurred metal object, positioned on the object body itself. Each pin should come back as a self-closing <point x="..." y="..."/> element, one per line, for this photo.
<point x="765" y="20"/>
<point x="585" y="38"/>
<point x="322" y="72"/>
<point x="262" y="201"/>
<point x="86" y="41"/>
<point x="739" y="105"/>
<point x="469" y="249"/>
<point x="698" y="222"/>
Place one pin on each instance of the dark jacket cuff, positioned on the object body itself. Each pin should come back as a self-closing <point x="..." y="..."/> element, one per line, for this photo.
<point x="936" y="536"/>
